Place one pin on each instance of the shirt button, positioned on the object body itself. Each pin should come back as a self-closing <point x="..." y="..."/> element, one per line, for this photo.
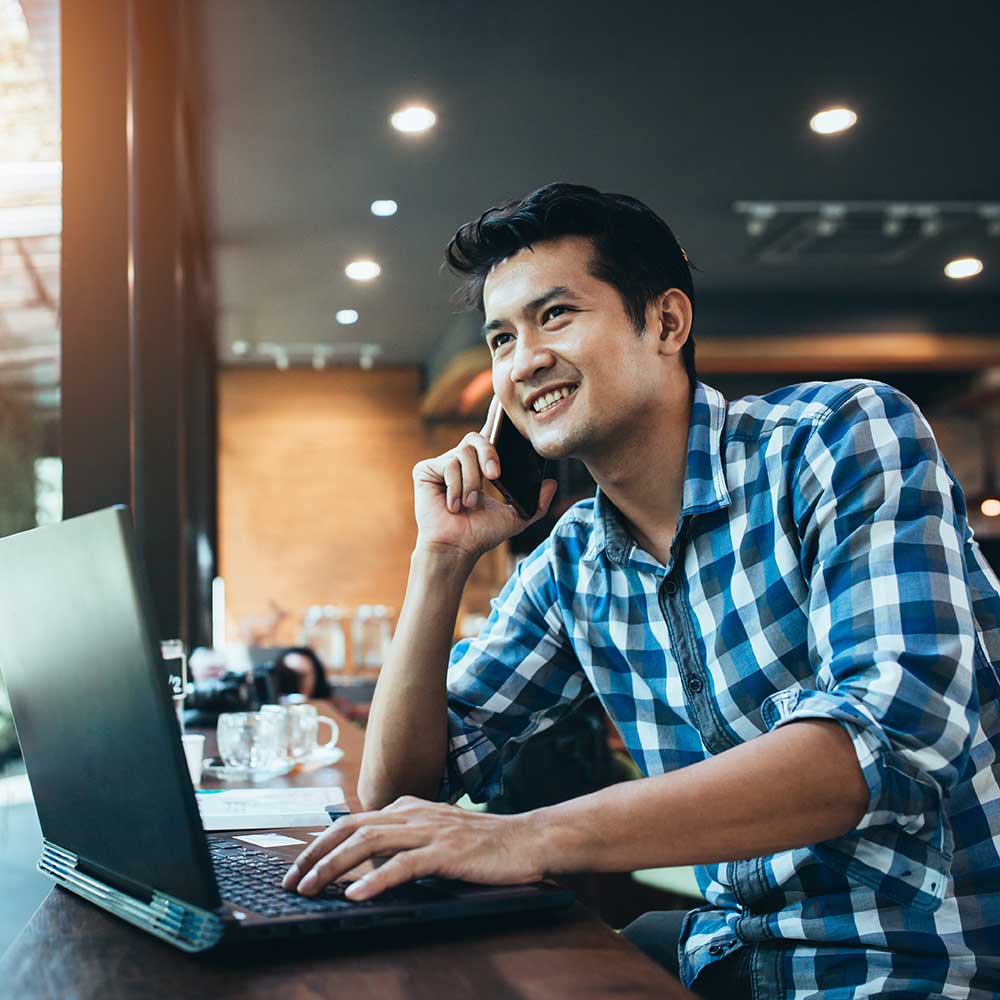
<point x="716" y="949"/>
<point x="670" y="588"/>
<point x="694" y="684"/>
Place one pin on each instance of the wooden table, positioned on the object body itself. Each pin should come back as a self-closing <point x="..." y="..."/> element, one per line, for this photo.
<point x="73" y="949"/>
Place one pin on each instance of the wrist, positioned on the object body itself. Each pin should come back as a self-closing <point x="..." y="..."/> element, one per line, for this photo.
<point x="542" y="838"/>
<point x="442" y="560"/>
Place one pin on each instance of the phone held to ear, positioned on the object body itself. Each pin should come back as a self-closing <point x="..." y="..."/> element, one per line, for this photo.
<point x="522" y="469"/>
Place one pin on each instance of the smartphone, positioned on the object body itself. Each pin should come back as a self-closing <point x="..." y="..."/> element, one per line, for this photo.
<point x="522" y="469"/>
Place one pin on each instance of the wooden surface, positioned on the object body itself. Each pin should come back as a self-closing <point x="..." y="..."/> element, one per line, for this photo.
<point x="73" y="949"/>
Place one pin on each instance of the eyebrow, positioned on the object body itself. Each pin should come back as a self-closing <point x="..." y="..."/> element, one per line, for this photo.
<point x="556" y="292"/>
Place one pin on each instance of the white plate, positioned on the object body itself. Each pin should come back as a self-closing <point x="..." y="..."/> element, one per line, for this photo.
<point x="217" y="769"/>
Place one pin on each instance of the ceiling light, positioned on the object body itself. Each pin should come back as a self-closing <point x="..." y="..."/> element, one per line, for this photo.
<point x="990" y="507"/>
<point x="832" y="120"/>
<point x="362" y="270"/>
<point x="384" y="208"/>
<point x="892" y="227"/>
<point x="964" y="267"/>
<point x="240" y="347"/>
<point x="345" y="317"/>
<point x="930" y="227"/>
<point x="413" y="119"/>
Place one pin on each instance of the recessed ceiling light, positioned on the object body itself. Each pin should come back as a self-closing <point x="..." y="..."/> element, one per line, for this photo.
<point x="384" y="208"/>
<point x="362" y="270"/>
<point x="347" y="316"/>
<point x="964" y="267"/>
<point x="832" y="120"/>
<point x="240" y="347"/>
<point x="413" y="119"/>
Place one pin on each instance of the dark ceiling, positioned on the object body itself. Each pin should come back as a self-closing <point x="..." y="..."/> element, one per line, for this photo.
<point x="690" y="108"/>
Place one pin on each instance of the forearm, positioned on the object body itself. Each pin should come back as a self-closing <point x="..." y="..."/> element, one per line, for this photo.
<point x="796" y="786"/>
<point x="406" y="736"/>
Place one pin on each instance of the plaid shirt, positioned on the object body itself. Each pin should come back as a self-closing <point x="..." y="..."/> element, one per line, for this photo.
<point x="823" y="568"/>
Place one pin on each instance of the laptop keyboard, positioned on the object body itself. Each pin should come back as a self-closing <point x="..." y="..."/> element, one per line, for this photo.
<point x="252" y="879"/>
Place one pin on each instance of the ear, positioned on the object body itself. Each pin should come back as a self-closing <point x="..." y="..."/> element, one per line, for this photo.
<point x="675" y="316"/>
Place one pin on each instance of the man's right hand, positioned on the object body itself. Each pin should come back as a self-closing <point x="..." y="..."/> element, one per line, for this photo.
<point x="452" y="509"/>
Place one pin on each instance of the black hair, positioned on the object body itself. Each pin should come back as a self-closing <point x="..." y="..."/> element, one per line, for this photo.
<point x="288" y="680"/>
<point x="635" y="251"/>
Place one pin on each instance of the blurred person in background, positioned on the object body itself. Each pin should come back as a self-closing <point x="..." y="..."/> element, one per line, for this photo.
<point x="299" y="671"/>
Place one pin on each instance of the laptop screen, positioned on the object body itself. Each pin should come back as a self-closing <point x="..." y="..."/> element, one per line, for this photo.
<point x="101" y="743"/>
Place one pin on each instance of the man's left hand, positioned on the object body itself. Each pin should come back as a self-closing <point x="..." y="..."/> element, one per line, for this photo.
<point x="418" y="839"/>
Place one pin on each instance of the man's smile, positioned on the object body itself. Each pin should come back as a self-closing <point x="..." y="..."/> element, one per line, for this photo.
<point x="544" y="407"/>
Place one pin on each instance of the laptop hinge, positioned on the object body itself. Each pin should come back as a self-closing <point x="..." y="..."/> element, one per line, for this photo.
<point x="181" y="924"/>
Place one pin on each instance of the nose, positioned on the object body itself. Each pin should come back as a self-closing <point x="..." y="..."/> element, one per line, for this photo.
<point x="530" y="357"/>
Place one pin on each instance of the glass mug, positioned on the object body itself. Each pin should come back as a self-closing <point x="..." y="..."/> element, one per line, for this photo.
<point x="299" y="725"/>
<point x="250" y="740"/>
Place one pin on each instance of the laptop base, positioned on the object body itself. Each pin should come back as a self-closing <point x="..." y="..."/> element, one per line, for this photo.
<point x="184" y="926"/>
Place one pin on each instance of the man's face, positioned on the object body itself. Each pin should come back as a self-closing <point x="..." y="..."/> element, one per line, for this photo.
<point x="552" y="326"/>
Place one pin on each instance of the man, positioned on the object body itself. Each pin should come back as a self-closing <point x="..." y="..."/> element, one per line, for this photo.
<point x="778" y="601"/>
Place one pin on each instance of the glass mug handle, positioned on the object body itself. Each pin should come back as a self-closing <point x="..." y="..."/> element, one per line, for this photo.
<point x="334" y="733"/>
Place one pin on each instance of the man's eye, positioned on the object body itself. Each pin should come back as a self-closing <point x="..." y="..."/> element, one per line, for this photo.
<point x="496" y="342"/>
<point x="548" y="312"/>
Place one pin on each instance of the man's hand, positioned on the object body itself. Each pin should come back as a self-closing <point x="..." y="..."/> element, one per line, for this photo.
<point x="418" y="839"/>
<point x="453" y="512"/>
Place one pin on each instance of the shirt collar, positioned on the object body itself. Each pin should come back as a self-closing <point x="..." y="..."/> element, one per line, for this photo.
<point x="704" y="480"/>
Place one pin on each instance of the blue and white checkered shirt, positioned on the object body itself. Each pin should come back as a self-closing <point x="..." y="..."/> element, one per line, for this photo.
<point x="823" y="568"/>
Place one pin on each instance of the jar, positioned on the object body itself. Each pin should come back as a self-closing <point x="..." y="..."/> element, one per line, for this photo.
<point x="371" y="635"/>
<point x="323" y="631"/>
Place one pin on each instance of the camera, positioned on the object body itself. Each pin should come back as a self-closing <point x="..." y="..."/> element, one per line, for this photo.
<point x="234" y="691"/>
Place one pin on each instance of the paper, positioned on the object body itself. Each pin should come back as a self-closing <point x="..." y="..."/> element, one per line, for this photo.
<point x="267" y="808"/>
<point x="268" y="839"/>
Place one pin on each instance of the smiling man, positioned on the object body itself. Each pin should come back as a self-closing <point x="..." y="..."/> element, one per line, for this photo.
<point x="778" y="601"/>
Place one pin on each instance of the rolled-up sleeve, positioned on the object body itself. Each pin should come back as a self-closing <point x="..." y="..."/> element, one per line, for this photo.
<point x="891" y="633"/>
<point x="513" y="680"/>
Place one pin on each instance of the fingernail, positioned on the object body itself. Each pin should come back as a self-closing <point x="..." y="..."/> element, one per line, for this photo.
<point x="308" y="883"/>
<point x="492" y="469"/>
<point x="356" y="889"/>
<point x="473" y="500"/>
<point x="288" y="882"/>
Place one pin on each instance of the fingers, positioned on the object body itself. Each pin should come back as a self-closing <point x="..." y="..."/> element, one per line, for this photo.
<point x="452" y="474"/>
<point x="395" y="871"/>
<point x="472" y="477"/>
<point x="463" y="470"/>
<point x="364" y="844"/>
<point x="339" y="832"/>
<point x="487" y="459"/>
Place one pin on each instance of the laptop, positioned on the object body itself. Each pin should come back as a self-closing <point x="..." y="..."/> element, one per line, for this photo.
<point x="101" y="742"/>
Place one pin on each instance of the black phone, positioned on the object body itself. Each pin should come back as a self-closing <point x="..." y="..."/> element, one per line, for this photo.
<point x="522" y="469"/>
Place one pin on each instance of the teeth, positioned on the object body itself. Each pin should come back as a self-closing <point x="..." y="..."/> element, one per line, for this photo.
<point x="544" y="402"/>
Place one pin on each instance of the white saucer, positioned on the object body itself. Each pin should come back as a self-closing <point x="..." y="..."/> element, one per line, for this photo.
<point x="321" y="758"/>
<point x="217" y="769"/>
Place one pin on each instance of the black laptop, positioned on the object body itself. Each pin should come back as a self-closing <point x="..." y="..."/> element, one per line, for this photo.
<point x="101" y="743"/>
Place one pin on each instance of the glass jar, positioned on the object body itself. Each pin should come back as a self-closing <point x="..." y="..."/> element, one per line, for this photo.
<point x="323" y="631"/>
<point x="371" y="635"/>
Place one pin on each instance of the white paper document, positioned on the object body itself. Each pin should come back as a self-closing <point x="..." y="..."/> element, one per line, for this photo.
<point x="268" y="839"/>
<point x="267" y="808"/>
